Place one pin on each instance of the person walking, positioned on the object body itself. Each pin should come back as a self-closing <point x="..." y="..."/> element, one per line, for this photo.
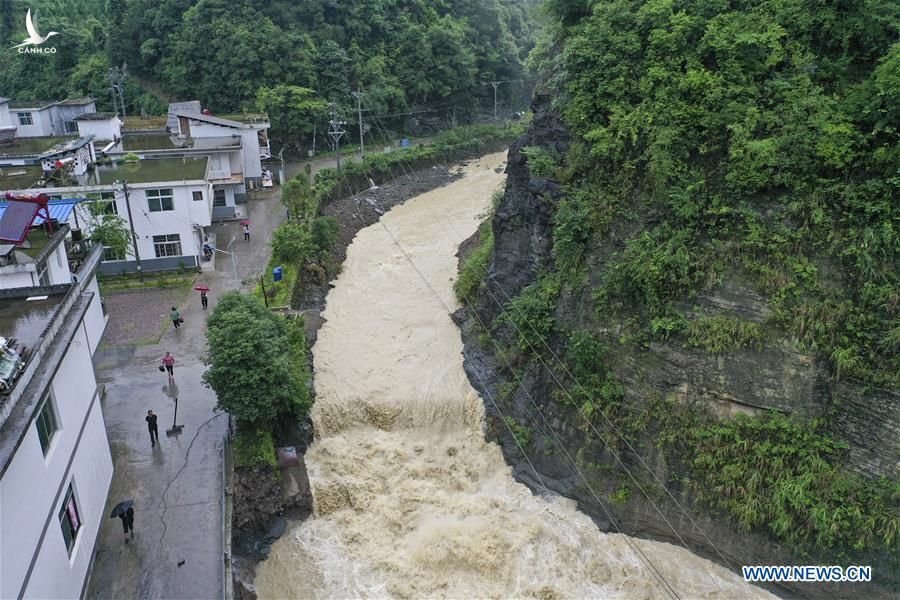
<point x="168" y="362"/>
<point x="176" y="317"/>
<point x="204" y="300"/>
<point x="128" y="522"/>
<point x="154" y="429"/>
<point x="246" y="227"/>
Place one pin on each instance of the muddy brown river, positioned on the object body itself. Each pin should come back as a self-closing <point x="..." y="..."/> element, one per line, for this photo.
<point x="410" y="501"/>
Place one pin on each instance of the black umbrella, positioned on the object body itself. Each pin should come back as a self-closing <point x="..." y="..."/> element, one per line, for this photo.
<point x="120" y="508"/>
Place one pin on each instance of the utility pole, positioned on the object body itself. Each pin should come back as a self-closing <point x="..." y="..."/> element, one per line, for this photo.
<point x="496" y="84"/>
<point x="336" y="131"/>
<point x="137" y="253"/>
<point x="358" y="94"/>
<point x="117" y="84"/>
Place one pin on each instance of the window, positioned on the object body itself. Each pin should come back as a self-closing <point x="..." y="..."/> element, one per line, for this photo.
<point x="46" y="424"/>
<point x="69" y="519"/>
<point x="160" y="200"/>
<point x="167" y="245"/>
<point x="113" y="253"/>
<point x="219" y="197"/>
<point x="25" y="119"/>
<point x="198" y="196"/>
<point x="107" y="200"/>
<point x="71" y="127"/>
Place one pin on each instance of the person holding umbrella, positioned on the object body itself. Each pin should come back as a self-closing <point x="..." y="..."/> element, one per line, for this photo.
<point x="124" y="511"/>
<point x="204" y="300"/>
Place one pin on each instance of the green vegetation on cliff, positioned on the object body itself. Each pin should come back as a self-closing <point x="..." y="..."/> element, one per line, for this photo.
<point x="759" y="138"/>
<point x="716" y="143"/>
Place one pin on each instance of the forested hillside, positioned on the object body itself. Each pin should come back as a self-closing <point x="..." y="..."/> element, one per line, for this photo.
<point x="704" y="221"/>
<point x="403" y="53"/>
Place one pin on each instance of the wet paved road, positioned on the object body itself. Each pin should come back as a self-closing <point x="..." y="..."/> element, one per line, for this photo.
<point x="177" y="485"/>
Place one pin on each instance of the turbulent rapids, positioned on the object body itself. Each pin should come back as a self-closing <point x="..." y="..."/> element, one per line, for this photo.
<point x="410" y="501"/>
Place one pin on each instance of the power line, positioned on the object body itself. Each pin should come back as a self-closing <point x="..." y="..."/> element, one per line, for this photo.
<point x="608" y="420"/>
<point x="657" y="574"/>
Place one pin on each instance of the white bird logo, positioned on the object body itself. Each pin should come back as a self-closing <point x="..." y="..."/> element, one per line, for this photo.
<point x="34" y="38"/>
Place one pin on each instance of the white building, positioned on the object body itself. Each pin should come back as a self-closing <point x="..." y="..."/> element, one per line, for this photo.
<point x="104" y="127"/>
<point x="252" y="129"/>
<point x="225" y="155"/>
<point x="170" y="201"/>
<point x="55" y="462"/>
<point x="44" y="118"/>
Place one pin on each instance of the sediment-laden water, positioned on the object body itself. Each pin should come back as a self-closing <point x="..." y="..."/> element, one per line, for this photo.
<point x="410" y="501"/>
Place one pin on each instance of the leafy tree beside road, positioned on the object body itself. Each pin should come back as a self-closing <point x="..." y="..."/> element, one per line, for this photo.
<point x="251" y="363"/>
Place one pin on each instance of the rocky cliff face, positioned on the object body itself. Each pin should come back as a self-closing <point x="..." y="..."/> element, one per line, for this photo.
<point x="572" y="459"/>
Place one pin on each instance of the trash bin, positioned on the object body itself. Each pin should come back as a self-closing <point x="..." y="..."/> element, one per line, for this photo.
<point x="276" y="274"/>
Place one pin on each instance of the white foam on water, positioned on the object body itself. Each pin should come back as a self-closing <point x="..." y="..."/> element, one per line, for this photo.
<point x="410" y="501"/>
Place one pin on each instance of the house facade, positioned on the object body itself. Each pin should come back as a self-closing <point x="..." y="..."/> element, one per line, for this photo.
<point x="170" y="203"/>
<point x="55" y="461"/>
<point x="103" y="127"/>
<point x="252" y="130"/>
<point x="43" y="119"/>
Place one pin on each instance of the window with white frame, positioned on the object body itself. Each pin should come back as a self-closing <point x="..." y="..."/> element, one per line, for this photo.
<point x="198" y="196"/>
<point x="71" y="127"/>
<point x="167" y="245"/>
<point x="70" y="519"/>
<point x="219" y="197"/>
<point x="107" y="202"/>
<point x="46" y="423"/>
<point x="160" y="200"/>
<point x="25" y="118"/>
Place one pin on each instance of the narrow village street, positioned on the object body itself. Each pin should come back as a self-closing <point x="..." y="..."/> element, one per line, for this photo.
<point x="177" y="486"/>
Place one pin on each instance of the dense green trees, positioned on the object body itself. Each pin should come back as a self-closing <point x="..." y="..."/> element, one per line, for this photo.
<point x="402" y="52"/>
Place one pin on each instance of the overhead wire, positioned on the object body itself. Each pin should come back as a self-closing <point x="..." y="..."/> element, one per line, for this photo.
<point x="603" y="414"/>
<point x="642" y="557"/>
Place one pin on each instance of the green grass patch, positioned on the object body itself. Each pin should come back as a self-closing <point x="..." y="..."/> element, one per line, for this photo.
<point x="254" y="448"/>
<point x="278" y="293"/>
<point x="117" y="283"/>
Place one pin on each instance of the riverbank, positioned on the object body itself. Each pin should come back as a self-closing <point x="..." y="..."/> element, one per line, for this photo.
<point x="252" y="543"/>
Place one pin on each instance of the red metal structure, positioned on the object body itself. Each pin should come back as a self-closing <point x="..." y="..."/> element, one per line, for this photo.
<point x="20" y="214"/>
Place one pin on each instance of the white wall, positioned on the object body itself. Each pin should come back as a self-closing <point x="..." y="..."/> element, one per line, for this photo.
<point x="202" y="129"/>
<point x="18" y="276"/>
<point x="181" y="220"/>
<point x="58" y="266"/>
<point x="94" y="320"/>
<point x="34" y="487"/>
<point x="41" y="122"/>
<point x="108" y="130"/>
<point x="4" y="115"/>
<point x="250" y="145"/>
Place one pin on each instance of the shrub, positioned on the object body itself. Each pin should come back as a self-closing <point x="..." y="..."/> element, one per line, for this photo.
<point x="249" y="361"/>
<point x="778" y="473"/>
<point x="474" y="269"/>
<point x="521" y="433"/>
<point x="722" y="333"/>
<point x="292" y="242"/>
<point x="324" y="235"/>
